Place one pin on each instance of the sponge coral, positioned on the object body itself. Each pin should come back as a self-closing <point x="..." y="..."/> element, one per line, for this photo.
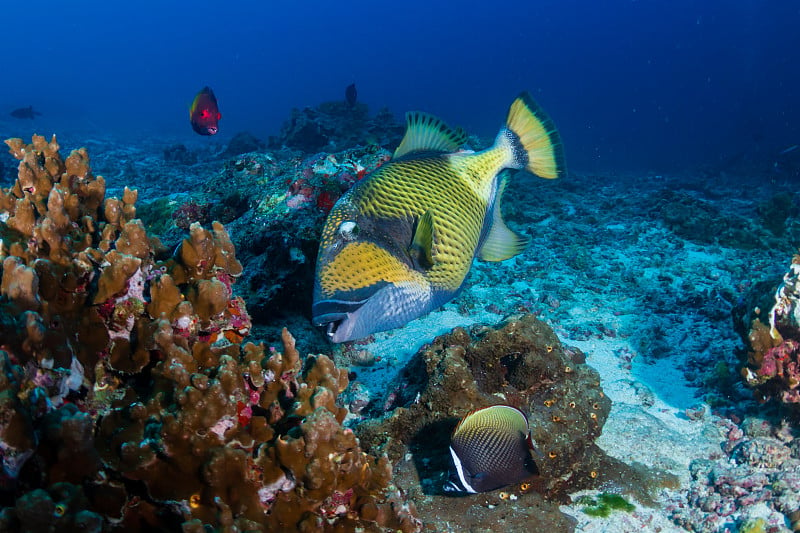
<point x="127" y="398"/>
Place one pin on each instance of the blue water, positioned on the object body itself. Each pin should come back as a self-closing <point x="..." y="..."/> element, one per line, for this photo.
<point x="632" y="85"/>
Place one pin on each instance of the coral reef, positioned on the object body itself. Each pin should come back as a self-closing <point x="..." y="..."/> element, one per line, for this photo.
<point x="190" y="212"/>
<point x="179" y="154"/>
<point x="280" y="202"/>
<point x="242" y="143"/>
<point x="756" y="479"/>
<point x="776" y="211"/>
<point x="274" y="204"/>
<point x="335" y="126"/>
<point x="127" y="399"/>
<point x="695" y="219"/>
<point x="773" y="361"/>
<point x="522" y="363"/>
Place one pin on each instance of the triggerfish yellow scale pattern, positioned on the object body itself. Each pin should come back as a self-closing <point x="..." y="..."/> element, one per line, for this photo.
<point x="457" y="212"/>
<point x="364" y="263"/>
<point x="401" y="242"/>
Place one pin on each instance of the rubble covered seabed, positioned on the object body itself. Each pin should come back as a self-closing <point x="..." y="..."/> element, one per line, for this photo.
<point x="131" y="399"/>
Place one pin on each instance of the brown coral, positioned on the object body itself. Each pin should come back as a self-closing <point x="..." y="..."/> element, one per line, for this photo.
<point x="171" y="419"/>
<point x="251" y="430"/>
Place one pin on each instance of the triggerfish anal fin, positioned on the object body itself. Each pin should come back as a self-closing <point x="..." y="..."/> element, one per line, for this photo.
<point x="426" y="133"/>
<point x="541" y="151"/>
<point x="501" y="243"/>
<point x="421" y="249"/>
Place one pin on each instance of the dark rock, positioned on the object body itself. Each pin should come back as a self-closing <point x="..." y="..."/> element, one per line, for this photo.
<point x="775" y="211"/>
<point x="335" y="126"/>
<point x="242" y="143"/>
<point x="521" y="363"/>
<point x="179" y="154"/>
<point x="700" y="221"/>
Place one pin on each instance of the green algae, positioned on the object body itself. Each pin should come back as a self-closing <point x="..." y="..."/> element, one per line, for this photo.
<point x="604" y="503"/>
<point x="157" y="215"/>
<point x="754" y="525"/>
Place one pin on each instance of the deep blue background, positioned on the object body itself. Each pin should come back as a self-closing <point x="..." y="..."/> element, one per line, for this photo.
<point x="632" y="85"/>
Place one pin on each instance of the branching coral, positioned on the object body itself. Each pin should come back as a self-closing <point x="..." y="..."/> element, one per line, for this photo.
<point x="127" y="398"/>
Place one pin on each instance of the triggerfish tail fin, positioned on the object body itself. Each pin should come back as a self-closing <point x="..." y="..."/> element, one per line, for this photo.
<point x="536" y="142"/>
<point x="426" y="133"/>
<point x="501" y="243"/>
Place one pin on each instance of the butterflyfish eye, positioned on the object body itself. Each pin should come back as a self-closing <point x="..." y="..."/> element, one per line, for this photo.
<point x="194" y="501"/>
<point x="205" y="114"/>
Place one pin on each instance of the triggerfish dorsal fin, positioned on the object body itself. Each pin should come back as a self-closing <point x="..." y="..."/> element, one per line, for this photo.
<point x="426" y="133"/>
<point x="536" y="144"/>
<point x="421" y="249"/>
<point x="501" y="242"/>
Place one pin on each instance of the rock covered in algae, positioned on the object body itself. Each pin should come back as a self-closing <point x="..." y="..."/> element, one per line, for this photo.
<point x="337" y="125"/>
<point x="772" y="367"/>
<point x="127" y="398"/>
<point x="522" y="363"/>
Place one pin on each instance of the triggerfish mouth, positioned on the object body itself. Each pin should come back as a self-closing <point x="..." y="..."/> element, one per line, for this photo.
<point x="400" y="242"/>
<point x="491" y="448"/>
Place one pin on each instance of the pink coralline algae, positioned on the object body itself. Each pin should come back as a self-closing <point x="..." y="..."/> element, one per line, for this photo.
<point x="761" y="467"/>
<point x="190" y="212"/>
<point x="323" y="179"/>
<point x="773" y="364"/>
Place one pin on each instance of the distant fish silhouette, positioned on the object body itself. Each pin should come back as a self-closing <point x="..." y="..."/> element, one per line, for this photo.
<point x="25" y="112"/>
<point x="204" y="113"/>
<point x="351" y="95"/>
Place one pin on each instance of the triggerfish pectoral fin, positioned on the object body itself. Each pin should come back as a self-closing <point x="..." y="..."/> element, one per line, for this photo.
<point x="421" y="250"/>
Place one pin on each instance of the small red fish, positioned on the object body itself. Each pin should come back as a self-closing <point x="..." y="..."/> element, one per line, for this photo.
<point x="204" y="113"/>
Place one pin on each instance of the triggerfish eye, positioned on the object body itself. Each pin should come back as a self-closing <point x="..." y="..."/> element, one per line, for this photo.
<point x="491" y="448"/>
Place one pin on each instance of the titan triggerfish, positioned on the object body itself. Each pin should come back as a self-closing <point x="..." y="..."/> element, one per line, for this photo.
<point x="400" y="242"/>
